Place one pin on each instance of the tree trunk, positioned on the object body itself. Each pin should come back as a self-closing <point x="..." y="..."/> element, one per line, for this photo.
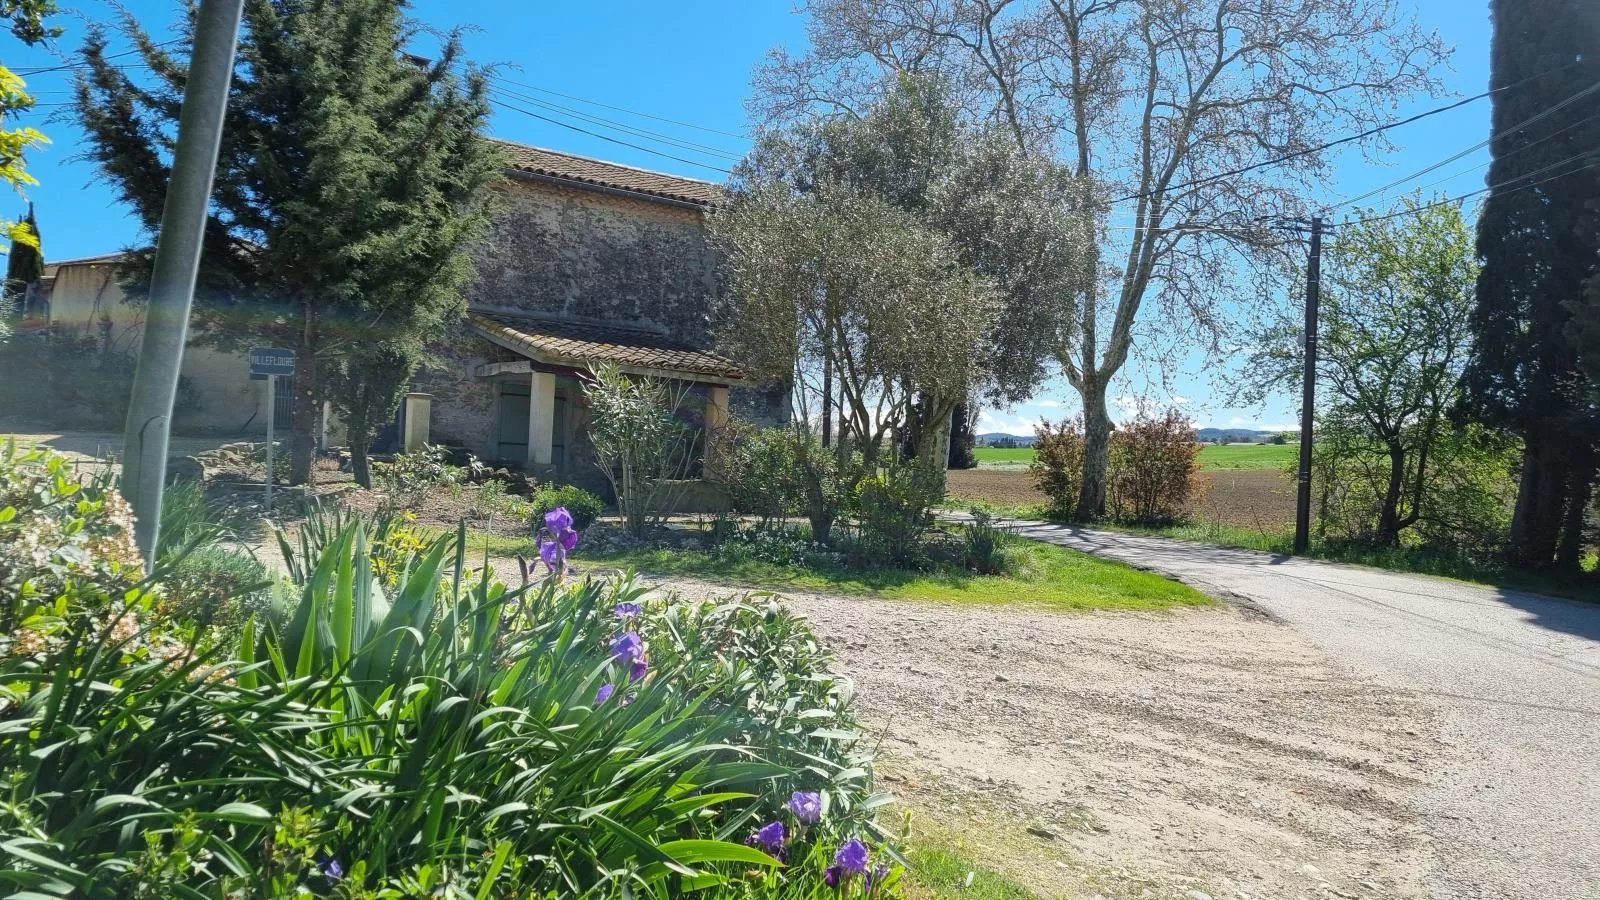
<point x="303" y="446"/>
<point x="1096" y="452"/>
<point x="360" y="443"/>
<point x="1569" y="554"/>
<point x="1541" y="502"/>
<point x="1389" y="515"/>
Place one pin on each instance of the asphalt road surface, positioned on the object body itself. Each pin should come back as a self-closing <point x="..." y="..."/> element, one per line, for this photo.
<point x="1516" y="675"/>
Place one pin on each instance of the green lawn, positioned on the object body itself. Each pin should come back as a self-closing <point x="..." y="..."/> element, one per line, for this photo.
<point x="1213" y="457"/>
<point x="1049" y="577"/>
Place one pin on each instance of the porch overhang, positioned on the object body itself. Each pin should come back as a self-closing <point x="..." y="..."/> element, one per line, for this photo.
<point x="581" y="345"/>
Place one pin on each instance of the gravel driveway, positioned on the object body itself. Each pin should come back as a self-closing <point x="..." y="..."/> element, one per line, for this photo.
<point x="1514" y="677"/>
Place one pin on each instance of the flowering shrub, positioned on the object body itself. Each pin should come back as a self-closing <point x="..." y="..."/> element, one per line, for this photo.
<point x="66" y="544"/>
<point x="1154" y="468"/>
<point x="1057" y="467"/>
<point x="440" y="735"/>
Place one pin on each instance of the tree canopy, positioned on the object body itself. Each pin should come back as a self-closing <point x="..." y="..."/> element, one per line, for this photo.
<point x="1164" y="105"/>
<point x="349" y="184"/>
<point x="1539" y="238"/>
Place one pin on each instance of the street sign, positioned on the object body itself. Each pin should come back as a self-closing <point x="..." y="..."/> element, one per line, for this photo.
<point x="271" y="361"/>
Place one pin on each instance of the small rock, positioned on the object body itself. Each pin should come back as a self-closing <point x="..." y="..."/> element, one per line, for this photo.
<point x="1198" y="895"/>
<point x="1001" y="678"/>
<point x="1045" y="833"/>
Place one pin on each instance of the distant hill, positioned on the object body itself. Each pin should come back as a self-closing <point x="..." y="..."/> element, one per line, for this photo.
<point x="1000" y="437"/>
<point x="1234" y="435"/>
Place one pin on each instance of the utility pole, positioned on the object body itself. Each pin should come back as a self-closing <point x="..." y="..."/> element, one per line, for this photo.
<point x="1308" y="391"/>
<point x="177" y="264"/>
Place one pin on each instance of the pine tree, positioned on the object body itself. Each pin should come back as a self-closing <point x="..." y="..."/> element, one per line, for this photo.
<point x="350" y="182"/>
<point x="1538" y="246"/>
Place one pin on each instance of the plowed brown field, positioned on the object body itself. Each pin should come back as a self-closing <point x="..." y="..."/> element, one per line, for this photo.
<point x="1262" y="500"/>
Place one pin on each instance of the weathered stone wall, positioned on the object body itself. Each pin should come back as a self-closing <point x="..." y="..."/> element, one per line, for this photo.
<point x="566" y="251"/>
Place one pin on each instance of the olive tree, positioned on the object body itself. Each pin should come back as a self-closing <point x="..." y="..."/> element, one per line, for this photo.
<point x="1164" y="105"/>
<point x="844" y="280"/>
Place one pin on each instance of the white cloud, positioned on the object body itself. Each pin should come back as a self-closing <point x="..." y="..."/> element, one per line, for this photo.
<point x="1044" y="404"/>
<point x="990" y="421"/>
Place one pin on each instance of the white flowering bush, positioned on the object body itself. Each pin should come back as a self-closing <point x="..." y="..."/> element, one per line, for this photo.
<point x="66" y="547"/>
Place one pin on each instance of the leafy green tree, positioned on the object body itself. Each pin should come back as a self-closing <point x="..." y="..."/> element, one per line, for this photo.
<point x="350" y="183"/>
<point x="1539" y="240"/>
<point x="1396" y="303"/>
<point x="1156" y="105"/>
<point x="912" y="167"/>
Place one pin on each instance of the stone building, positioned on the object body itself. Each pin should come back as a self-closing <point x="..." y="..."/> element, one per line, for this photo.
<point x="587" y="262"/>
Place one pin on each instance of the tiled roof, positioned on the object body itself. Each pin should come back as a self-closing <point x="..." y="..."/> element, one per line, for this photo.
<point x="103" y="259"/>
<point x="580" y="344"/>
<point x="582" y="169"/>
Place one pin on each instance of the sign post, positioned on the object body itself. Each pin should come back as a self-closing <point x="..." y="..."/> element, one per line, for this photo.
<point x="269" y="363"/>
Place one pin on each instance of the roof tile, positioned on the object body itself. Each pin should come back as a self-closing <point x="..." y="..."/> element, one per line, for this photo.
<point x="579" y="344"/>
<point x="608" y="174"/>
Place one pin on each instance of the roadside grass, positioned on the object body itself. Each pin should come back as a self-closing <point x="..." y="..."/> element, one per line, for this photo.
<point x="1048" y="577"/>
<point x="1213" y="457"/>
<point x="940" y="873"/>
<point x="1401" y="559"/>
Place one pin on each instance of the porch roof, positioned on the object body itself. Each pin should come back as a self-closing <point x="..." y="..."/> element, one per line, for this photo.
<point x="578" y="345"/>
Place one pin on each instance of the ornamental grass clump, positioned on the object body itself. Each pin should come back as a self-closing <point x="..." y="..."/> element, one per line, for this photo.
<point x="433" y="733"/>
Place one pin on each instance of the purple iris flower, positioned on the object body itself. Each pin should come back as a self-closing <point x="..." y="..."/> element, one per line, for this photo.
<point x="806" y="806"/>
<point x="772" y="836"/>
<point x="833" y="877"/>
<point x="628" y="700"/>
<point x="852" y="857"/>
<point x="330" y="866"/>
<point x="552" y="554"/>
<point x="568" y="539"/>
<point x="628" y="648"/>
<point x="558" y="519"/>
<point x="629" y="610"/>
<point x="604" y="694"/>
<point x="876" y="876"/>
<point x="638" y="670"/>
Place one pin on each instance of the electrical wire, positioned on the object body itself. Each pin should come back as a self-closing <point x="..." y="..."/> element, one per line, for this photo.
<point x="1492" y="187"/>
<point x="625" y="128"/>
<point x="603" y="137"/>
<point x="66" y="66"/>
<point x="1536" y="117"/>
<point x="1377" y="129"/>
<point x="621" y="109"/>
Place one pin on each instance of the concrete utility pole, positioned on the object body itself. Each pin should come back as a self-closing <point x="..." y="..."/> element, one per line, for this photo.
<point x="1308" y="392"/>
<point x="183" y="223"/>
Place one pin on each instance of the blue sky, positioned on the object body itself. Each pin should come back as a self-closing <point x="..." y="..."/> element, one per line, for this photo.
<point x="690" y="62"/>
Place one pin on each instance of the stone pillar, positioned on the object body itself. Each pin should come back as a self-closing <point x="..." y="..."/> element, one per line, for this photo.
<point x="541" y="419"/>
<point x="419" y="408"/>
<point x="715" y="419"/>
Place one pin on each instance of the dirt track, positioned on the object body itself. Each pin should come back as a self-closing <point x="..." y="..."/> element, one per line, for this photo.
<point x="1205" y="753"/>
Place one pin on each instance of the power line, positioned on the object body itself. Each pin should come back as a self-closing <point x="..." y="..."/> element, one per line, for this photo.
<point x="1492" y="187"/>
<point x="1378" y="129"/>
<point x="631" y="112"/>
<point x="65" y="66"/>
<point x="608" y="138"/>
<point x="603" y="122"/>
<point x="1536" y="117"/>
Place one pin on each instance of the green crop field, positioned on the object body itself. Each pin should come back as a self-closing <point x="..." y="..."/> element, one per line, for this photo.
<point x="1220" y="457"/>
<point x="1213" y="457"/>
<point x="999" y="456"/>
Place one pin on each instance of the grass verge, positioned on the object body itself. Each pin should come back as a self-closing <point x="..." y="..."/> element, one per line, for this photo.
<point x="1397" y="559"/>
<point x="1048" y="576"/>
<point x="939" y="873"/>
<point x="1213" y="457"/>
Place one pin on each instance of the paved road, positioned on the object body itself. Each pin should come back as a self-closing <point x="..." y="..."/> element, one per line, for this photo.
<point x="1516" y="675"/>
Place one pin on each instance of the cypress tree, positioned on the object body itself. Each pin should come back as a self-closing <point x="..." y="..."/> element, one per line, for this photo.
<point x="350" y="183"/>
<point x="1538" y="246"/>
<point x="24" y="266"/>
